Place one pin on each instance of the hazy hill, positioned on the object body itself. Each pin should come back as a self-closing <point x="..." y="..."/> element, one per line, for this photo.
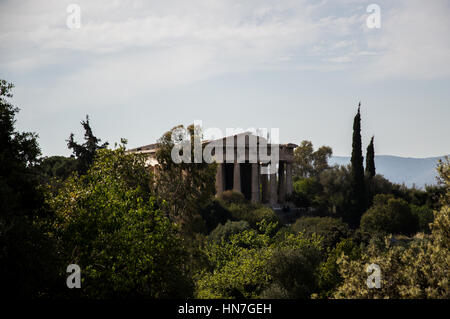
<point x="418" y="171"/>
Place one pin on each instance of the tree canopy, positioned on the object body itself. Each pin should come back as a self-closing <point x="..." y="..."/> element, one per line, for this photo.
<point x="26" y="253"/>
<point x="161" y="232"/>
<point x="307" y="162"/>
<point x="85" y="152"/>
<point x="107" y="222"/>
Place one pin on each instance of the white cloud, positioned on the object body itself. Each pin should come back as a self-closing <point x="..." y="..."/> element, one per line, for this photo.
<point x="235" y="32"/>
<point x="413" y="41"/>
<point x="167" y="43"/>
<point x="341" y="59"/>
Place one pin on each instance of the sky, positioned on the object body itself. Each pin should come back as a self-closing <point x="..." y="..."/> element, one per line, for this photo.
<point x="138" y="68"/>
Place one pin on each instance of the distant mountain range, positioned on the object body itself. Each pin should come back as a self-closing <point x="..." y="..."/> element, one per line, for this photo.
<point x="399" y="170"/>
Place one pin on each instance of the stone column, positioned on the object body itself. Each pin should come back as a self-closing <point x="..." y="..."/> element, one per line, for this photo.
<point x="220" y="176"/>
<point x="255" y="183"/>
<point x="265" y="188"/>
<point x="289" y="186"/>
<point x="237" y="177"/>
<point x="282" y="183"/>
<point x="273" y="189"/>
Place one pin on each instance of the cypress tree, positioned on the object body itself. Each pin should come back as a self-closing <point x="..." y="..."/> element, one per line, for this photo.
<point x="85" y="152"/>
<point x="358" y="186"/>
<point x="370" y="159"/>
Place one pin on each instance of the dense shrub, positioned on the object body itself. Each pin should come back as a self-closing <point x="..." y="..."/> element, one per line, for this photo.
<point x="424" y="216"/>
<point x="329" y="276"/>
<point x="242" y="209"/>
<point x="420" y="269"/>
<point x="232" y="197"/>
<point x="331" y="229"/>
<point x="251" y="265"/>
<point x="336" y="188"/>
<point x="56" y="167"/>
<point x="389" y="215"/>
<point x="263" y="213"/>
<point x="213" y="214"/>
<point x="236" y="267"/>
<point x="293" y="270"/>
<point x="252" y="213"/>
<point x="223" y="232"/>
<point x="306" y="192"/>
<point x="107" y="223"/>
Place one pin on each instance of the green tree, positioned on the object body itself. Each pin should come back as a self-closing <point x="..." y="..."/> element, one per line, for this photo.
<point x="370" y="159"/>
<point x="321" y="157"/>
<point x="358" y="184"/>
<point x="182" y="188"/>
<point x="236" y="267"/>
<point x="420" y="269"/>
<point x="303" y="155"/>
<point x="85" y="152"/>
<point x="307" y="192"/>
<point x="26" y="252"/>
<point x="329" y="276"/>
<point x="293" y="269"/>
<point x="19" y="156"/>
<point x="332" y="230"/>
<point x="252" y="264"/>
<point x="107" y="223"/>
<point x="424" y="216"/>
<point x="214" y="214"/>
<point x="242" y="209"/>
<point x="308" y="162"/>
<point x="225" y="231"/>
<point x="336" y="189"/>
<point x="433" y="194"/>
<point x="389" y="215"/>
<point x="56" y="167"/>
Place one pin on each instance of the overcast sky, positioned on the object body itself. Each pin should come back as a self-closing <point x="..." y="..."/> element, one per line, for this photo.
<point x="139" y="68"/>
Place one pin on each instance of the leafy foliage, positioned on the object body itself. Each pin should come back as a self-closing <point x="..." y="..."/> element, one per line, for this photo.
<point x="184" y="188"/>
<point x="242" y="209"/>
<point x="85" y="152"/>
<point x="224" y="232"/>
<point x="307" y="192"/>
<point x="107" y="223"/>
<point x="56" y="167"/>
<point x="336" y="185"/>
<point x="308" y="162"/>
<point x="424" y="216"/>
<point x="389" y="215"/>
<point x="26" y="252"/>
<point x="252" y="264"/>
<point x="329" y="276"/>
<point x="293" y="268"/>
<point x="419" y="269"/>
<point x="370" y="159"/>
<point x="332" y="230"/>
<point x="214" y="214"/>
<point x="232" y="197"/>
<point x="141" y="233"/>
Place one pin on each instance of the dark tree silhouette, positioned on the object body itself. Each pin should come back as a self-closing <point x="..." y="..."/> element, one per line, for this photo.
<point x="85" y="152"/>
<point x="358" y="185"/>
<point x="370" y="159"/>
<point x="59" y="167"/>
<point x="26" y="252"/>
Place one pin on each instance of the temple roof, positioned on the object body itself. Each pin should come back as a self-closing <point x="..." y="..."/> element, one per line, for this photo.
<point x="151" y="148"/>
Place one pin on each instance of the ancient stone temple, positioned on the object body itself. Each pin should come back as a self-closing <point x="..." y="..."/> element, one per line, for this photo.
<point x="245" y="165"/>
